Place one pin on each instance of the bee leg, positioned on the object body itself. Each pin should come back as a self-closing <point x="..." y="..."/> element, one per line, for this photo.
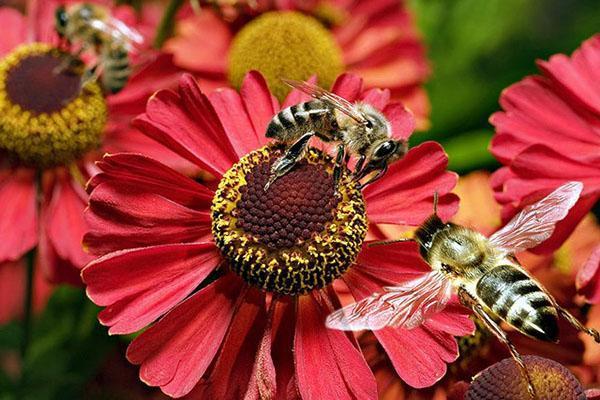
<point x="286" y="162"/>
<point x="378" y="175"/>
<point x="339" y="165"/>
<point x="575" y="322"/>
<point x="467" y="300"/>
<point x="359" y="165"/>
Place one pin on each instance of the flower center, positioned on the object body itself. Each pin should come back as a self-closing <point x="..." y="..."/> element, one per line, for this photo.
<point x="46" y="117"/>
<point x="285" y="45"/>
<point x="297" y="235"/>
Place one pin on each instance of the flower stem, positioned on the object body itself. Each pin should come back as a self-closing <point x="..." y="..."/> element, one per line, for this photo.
<point x="28" y="306"/>
<point x="165" y="28"/>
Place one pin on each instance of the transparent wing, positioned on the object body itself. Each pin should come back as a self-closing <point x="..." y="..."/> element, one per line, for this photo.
<point x="536" y="222"/>
<point x="407" y="305"/>
<point x="119" y="31"/>
<point x="334" y="100"/>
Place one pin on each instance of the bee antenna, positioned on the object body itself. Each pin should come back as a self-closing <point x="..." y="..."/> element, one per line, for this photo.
<point x="436" y="199"/>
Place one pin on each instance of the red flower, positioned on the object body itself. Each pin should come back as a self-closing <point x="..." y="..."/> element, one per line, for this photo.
<point x="377" y="40"/>
<point x="548" y="134"/>
<point x="57" y="228"/>
<point x="163" y="237"/>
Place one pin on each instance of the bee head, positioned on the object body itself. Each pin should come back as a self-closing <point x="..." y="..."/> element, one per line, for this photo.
<point x="61" y="19"/>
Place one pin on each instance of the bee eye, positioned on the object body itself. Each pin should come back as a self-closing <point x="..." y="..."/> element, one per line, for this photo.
<point x="369" y="124"/>
<point x="385" y="149"/>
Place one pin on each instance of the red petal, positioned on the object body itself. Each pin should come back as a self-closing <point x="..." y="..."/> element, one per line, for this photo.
<point x="404" y="196"/>
<point x="18" y="214"/>
<point x="341" y="371"/>
<point x="263" y="383"/>
<point x="64" y="223"/>
<point x="187" y="123"/>
<point x="120" y="217"/>
<point x="231" y="374"/>
<point x="392" y="263"/>
<point x="348" y="86"/>
<point x="176" y="351"/>
<point x="579" y="76"/>
<point x="17" y="34"/>
<point x="139" y="285"/>
<point x="260" y="104"/>
<point x="12" y="290"/>
<point x="378" y="98"/>
<point x="135" y="171"/>
<point x="296" y="96"/>
<point x="419" y="355"/>
<point x="588" y="281"/>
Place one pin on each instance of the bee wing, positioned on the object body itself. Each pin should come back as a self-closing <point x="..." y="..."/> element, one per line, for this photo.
<point x="334" y="100"/>
<point x="536" y="222"/>
<point x="407" y="305"/>
<point x="118" y="30"/>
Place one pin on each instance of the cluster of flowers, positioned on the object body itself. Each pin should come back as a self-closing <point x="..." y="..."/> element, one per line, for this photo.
<point x="184" y="149"/>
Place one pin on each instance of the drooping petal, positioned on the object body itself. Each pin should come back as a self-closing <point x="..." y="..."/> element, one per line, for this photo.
<point x="263" y="382"/>
<point x="139" y="285"/>
<point x="18" y="214"/>
<point x="402" y="121"/>
<point x="17" y="34"/>
<point x="404" y="195"/>
<point x="187" y="123"/>
<point x="342" y="372"/>
<point x="176" y="351"/>
<point x="230" y="377"/>
<point x="588" y="280"/>
<point x="63" y="221"/>
<point x="348" y="86"/>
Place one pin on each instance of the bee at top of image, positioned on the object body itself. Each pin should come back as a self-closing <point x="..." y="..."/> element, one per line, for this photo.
<point x="87" y="28"/>
<point x="355" y="128"/>
<point x="484" y="271"/>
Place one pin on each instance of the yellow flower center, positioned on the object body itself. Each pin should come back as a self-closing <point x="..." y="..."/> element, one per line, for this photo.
<point x="285" y="45"/>
<point x="46" y="117"/>
<point x="297" y="235"/>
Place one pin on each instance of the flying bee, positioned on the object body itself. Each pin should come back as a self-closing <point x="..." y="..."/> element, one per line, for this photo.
<point x="92" y="28"/>
<point x="357" y="128"/>
<point x="485" y="273"/>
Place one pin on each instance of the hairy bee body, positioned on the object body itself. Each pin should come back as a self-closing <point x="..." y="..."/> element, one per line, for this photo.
<point x="491" y="276"/>
<point x="85" y="24"/>
<point x="292" y="122"/>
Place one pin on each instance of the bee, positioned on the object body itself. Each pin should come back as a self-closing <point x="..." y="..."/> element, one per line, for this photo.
<point x="92" y="28"/>
<point x="357" y="128"/>
<point x="484" y="272"/>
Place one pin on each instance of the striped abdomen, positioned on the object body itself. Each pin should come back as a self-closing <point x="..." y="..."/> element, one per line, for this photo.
<point x="518" y="300"/>
<point x="116" y="67"/>
<point x="292" y="122"/>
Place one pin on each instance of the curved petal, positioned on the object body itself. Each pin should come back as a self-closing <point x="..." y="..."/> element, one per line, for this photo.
<point x="17" y="32"/>
<point x="12" y="290"/>
<point x="176" y="351"/>
<point x="347" y="374"/>
<point x="349" y="86"/>
<point x="140" y="285"/>
<point x="588" y="281"/>
<point x="404" y="196"/>
<point x="187" y="123"/>
<point x="18" y="213"/>
<point x="63" y="221"/>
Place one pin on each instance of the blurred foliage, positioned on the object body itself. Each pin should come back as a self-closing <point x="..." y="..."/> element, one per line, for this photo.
<point x="477" y="48"/>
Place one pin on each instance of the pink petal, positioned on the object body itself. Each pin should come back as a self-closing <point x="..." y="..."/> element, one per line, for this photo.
<point x="64" y="222"/>
<point x="18" y="213"/>
<point x="140" y="285"/>
<point x="342" y="372"/>
<point x="55" y="269"/>
<point x="12" y="290"/>
<point x="17" y="34"/>
<point x="176" y="351"/>
<point x="263" y="383"/>
<point x="261" y="106"/>
<point x="402" y="121"/>
<point x="378" y="98"/>
<point x="296" y="96"/>
<point x="230" y="377"/>
<point x="348" y="86"/>
<point x="404" y="196"/>
<point x="187" y="123"/>
<point x="588" y="281"/>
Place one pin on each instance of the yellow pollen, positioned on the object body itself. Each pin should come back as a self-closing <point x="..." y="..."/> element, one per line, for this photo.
<point x="285" y="44"/>
<point x="46" y="118"/>
<point x="296" y="236"/>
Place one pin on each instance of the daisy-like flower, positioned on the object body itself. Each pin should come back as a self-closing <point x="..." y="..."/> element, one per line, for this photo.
<point x="549" y="133"/>
<point x="234" y="281"/>
<point x="376" y="40"/>
<point x="50" y="132"/>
